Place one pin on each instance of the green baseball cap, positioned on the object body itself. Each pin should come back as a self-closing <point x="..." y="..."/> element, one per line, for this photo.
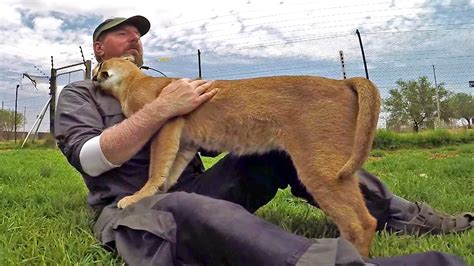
<point x="140" y="22"/>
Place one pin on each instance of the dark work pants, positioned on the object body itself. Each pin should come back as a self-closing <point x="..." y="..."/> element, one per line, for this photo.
<point x="181" y="228"/>
<point x="252" y="181"/>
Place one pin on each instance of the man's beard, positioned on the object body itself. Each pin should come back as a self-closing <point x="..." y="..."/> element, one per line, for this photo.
<point x="138" y="60"/>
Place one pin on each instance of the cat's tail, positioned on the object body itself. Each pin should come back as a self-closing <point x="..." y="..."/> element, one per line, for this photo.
<point x="366" y="125"/>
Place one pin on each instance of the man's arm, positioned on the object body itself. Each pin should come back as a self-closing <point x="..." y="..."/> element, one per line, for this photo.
<point x="120" y="142"/>
<point x="93" y="147"/>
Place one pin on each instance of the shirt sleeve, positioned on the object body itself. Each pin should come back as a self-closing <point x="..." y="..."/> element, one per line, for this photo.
<point x="77" y="119"/>
<point x="92" y="159"/>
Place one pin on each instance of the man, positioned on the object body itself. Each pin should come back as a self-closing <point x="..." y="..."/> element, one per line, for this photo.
<point x="206" y="217"/>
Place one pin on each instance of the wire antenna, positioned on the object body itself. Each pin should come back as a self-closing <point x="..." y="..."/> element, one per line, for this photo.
<point x="41" y="71"/>
<point x="82" y="54"/>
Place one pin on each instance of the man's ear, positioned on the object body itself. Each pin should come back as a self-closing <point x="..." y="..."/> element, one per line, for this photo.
<point x="98" y="49"/>
<point x="129" y="58"/>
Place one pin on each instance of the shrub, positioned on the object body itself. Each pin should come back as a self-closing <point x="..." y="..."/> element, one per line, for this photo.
<point x="385" y="139"/>
<point x="390" y="140"/>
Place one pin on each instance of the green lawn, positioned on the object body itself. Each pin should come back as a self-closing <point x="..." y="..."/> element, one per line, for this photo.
<point x="45" y="219"/>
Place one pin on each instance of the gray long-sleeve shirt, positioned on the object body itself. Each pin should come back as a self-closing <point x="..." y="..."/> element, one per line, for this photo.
<point x="82" y="113"/>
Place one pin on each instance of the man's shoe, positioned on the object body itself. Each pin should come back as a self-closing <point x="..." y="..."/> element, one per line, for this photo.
<point x="422" y="219"/>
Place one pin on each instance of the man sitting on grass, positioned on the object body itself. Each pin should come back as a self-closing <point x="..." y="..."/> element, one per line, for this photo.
<point x="206" y="218"/>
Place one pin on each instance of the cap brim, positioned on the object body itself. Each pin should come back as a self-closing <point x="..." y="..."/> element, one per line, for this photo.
<point x="140" y="22"/>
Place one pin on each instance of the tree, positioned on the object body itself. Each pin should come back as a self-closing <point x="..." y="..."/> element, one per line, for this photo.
<point x="7" y="120"/>
<point x="415" y="102"/>
<point x="462" y="106"/>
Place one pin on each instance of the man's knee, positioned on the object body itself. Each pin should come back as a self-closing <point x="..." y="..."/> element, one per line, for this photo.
<point x="194" y="205"/>
<point x="250" y="181"/>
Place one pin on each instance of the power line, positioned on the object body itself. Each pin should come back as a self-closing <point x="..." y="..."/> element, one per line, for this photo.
<point x="317" y="11"/>
<point x="12" y="79"/>
<point x="266" y="16"/>
<point x="309" y="38"/>
<point x="27" y="98"/>
<point x="360" y="13"/>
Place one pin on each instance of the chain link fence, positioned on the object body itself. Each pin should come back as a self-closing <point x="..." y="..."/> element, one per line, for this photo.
<point x="438" y="54"/>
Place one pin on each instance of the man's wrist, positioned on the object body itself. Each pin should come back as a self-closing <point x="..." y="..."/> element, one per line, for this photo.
<point x="159" y="109"/>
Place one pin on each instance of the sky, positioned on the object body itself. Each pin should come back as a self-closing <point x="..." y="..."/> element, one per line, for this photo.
<point x="240" y="39"/>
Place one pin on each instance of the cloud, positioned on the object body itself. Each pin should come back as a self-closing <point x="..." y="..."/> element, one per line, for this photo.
<point x="10" y="17"/>
<point x="47" y="25"/>
<point x="240" y="38"/>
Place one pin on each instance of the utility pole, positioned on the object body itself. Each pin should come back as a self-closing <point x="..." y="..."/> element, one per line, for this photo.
<point x="341" y="56"/>
<point x="199" y="63"/>
<point x="16" y="103"/>
<point x="24" y="119"/>
<point x="88" y="65"/>
<point x="52" y="93"/>
<point x="363" y="54"/>
<point x="437" y="99"/>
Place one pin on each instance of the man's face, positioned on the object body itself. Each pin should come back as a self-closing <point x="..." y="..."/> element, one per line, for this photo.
<point x="122" y="40"/>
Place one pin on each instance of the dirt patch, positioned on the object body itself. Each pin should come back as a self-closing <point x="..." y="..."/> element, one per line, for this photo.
<point x="438" y="156"/>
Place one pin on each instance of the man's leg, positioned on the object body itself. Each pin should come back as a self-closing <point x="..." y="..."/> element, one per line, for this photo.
<point x="412" y="217"/>
<point x="420" y="218"/>
<point x="252" y="181"/>
<point x="398" y="214"/>
<point x="432" y="258"/>
<point x="186" y="228"/>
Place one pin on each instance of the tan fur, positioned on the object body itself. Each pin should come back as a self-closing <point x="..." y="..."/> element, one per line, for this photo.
<point x="326" y="126"/>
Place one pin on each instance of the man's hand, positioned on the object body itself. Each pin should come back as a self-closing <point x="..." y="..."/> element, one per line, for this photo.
<point x="184" y="95"/>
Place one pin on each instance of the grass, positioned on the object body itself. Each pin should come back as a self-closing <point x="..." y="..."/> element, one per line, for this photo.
<point x="48" y="142"/>
<point x="385" y="139"/>
<point x="45" y="219"/>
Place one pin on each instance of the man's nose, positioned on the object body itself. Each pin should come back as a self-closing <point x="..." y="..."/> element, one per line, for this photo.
<point x="135" y="36"/>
